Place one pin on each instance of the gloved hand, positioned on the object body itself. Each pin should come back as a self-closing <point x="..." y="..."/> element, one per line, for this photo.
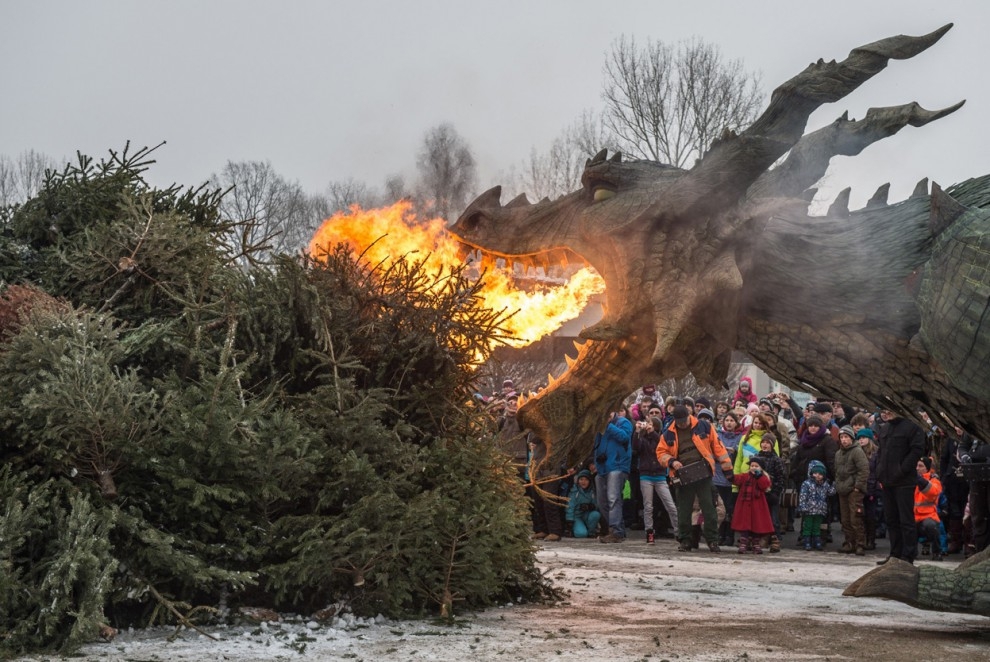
<point x="965" y="459"/>
<point x="922" y="483"/>
<point x="728" y="473"/>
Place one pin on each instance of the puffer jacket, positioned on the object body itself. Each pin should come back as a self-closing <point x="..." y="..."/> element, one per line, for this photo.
<point x="852" y="470"/>
<point x="615" y="445"/>
<point x="579" y="497"/>
<point x="814" y="495"/>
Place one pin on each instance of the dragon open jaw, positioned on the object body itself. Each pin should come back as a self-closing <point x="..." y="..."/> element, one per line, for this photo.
<point x="689" y="256"/>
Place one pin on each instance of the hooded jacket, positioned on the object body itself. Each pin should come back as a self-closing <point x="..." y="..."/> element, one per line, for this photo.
<point x="579" y="497"/>
<point x="814" y="495"/>
<point x="615" y="444"/>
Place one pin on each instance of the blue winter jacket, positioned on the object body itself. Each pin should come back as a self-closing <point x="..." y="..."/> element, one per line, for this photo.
<point x="615" y="444"/>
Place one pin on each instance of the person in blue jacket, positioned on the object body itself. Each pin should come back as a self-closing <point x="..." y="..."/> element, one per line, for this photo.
<point x="582" y="515"/>
<point x="613" y="458"/>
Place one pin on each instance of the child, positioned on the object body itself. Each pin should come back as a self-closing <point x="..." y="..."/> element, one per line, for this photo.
<point x="852" y="471"/>
<point x="751" y="517"/>
<point x="813" y="504"/>
<point x="582" y="516"/>
<point x="773" y="467"/>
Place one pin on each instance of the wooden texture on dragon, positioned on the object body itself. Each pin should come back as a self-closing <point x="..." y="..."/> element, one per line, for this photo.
<point x="887" y="305"/>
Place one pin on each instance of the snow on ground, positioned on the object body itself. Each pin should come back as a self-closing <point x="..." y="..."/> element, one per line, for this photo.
<point x="628" y="601"/>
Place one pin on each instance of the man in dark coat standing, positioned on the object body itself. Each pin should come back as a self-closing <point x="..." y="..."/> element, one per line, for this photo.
<point x="902" y="443"/>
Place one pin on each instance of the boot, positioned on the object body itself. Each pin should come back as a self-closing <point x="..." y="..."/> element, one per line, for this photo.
<point x="695" y="536"/>
<point x="774" y="544"/>
<point x="870" y="529"/>
<point x="743" y="544"/>
<point x="937" y="553"/>
<point x="816" y="542"/>
<point x="757" y="548"/>
<point x="807" y="543"/>
<point x="926" y="549"/>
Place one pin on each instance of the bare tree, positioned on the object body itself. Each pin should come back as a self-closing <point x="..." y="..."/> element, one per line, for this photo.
<point x="22" y="177"/>
<point x="447" y="172"/>
<point x="558" y="170"/>
<point x="668" y="103"/>
<point x="271" y="211"/>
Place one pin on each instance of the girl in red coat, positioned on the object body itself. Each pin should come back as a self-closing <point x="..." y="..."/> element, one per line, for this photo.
<point x="751" y="516"/>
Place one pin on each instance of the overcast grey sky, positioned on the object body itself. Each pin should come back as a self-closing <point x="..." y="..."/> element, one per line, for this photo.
<point x="331" y="90"/>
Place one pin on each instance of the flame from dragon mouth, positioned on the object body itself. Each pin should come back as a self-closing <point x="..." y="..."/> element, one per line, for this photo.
<point x="394" y="233"/>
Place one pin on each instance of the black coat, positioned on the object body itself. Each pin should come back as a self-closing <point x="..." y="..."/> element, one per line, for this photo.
<point x="902" y="443"/>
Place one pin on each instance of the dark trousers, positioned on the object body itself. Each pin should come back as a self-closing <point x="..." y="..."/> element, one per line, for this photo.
<point x="546" y="514"/>
<point x="979" y="511"/>
<point x="898" y="512"/>
<point x="686" y="494"/>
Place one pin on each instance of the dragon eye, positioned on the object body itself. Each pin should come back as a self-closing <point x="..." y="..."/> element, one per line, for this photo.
<point x="602" y="193"/>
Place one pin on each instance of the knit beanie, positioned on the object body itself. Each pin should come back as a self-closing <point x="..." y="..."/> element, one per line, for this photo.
<point x="847" y="429"/>
<point x="815" y="420"/>
<point x="865" y="432"/>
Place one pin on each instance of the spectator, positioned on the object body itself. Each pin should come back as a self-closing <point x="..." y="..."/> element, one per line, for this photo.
<point x="729" y="435"/>
<point x="927" y="490"/>
<point x="870" y="500"/>
<point x="774" y="468"/>
<point x="745" y="392"/>
<point x="852" y="470"/>
<point x="813" y="505"/>
<point x="652" y="476"/>
<point x="613" y="457"/>
<point x="582" y="516"/>
<point x="688" y="441"/>
<point x="902" y="443"/>
<point x="752" y="515"/>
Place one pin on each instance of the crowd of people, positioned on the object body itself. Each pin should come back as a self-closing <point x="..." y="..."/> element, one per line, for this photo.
<point x="740" y="473"/>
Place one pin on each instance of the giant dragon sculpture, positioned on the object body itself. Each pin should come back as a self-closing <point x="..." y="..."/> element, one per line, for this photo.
<point x="887" y="305"/>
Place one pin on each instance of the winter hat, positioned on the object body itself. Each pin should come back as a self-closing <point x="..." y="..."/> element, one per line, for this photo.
<point x="681" y="413"/>
<point x="928" y="462"/>
<point x="657" y="423"/>
<point x="865" y="432"/>
<point x="584" y="473"/>
<point x="765" y="401"/>
<point x="704" y="402"/>
<point x="507" y="382"/>
<point x="757" y="460"/>
<point x="847" y="429"/>
<point x="815" y="420"/>
<point x="650" y="390"/>
<point x="707" y="413"/>
<point x="817" y="467"/>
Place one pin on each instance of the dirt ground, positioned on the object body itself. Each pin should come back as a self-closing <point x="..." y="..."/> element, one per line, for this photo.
<point x="628" y="601"/>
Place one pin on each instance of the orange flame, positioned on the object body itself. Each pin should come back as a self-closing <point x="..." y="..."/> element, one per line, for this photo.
<point x="393" y="233"/>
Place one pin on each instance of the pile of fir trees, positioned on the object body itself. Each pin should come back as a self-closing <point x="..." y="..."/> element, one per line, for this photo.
<point x="179" y="432"/>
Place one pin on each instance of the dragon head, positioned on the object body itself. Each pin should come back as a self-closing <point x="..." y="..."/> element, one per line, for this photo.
<point x="675" y="247"/>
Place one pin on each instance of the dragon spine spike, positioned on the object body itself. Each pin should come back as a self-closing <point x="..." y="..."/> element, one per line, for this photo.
<point x="945" y="209"/>
<point x="569" y="361"/>
<point x="840" y="206"/>
<point x="519" y="201"/>
<point x="844" y="117"/>
<point x="879" y="198"/>
<point x="616" y="158"/>
<point x="599" y="157"/>
<point x="550" y="380"/>
<point x="920" y="189"/>
<point x="486" y="200"/>
<point x="578" y="346"/>
<point x="809" y="194"/>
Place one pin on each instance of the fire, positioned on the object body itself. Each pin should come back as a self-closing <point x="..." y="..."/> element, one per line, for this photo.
<point x="393" y="233"/>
